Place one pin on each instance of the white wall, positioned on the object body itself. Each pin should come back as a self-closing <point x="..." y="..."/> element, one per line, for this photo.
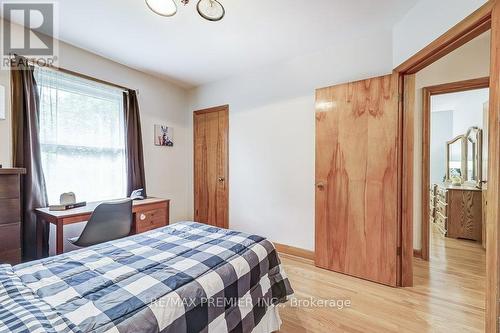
<point x="426" y="21"/>
<point x="471" y="61"/>
<point x="441" y="132"/>
<point x="271" y="176"/>
<point x="467" y="107"/>
<point x="160" y="102"/>
<point x="272" y="134"/>
<point x="271" y="119"/>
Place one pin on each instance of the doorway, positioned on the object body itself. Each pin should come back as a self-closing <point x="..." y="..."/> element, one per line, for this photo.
<point x="454" y="163"/>
<point x="211" y="166"/>
<point x="482" y="20"/>
<point x="450" y="108"/>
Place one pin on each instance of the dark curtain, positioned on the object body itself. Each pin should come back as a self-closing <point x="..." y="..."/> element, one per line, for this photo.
<point x="26" y="151"/>
<point x="133" y="137"/>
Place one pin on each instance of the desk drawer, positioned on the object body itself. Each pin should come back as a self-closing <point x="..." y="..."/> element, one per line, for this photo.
<point x="150" y="220"/>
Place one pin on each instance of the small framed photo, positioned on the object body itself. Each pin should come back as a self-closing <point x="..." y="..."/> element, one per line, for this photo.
<point x="164" y="136"/>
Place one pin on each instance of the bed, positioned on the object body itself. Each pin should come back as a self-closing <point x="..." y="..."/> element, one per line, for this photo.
<point x="187" y="277"/>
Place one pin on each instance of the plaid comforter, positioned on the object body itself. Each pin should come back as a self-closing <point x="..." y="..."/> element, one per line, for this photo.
<point x="22" y="311"/>
<point x="187" y="277"/>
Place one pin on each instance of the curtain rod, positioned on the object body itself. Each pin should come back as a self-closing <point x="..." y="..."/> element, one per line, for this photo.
<point x="83" y="76"/>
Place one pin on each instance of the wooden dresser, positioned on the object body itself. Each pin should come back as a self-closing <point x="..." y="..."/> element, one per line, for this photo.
<point x="457" y="211"/>
<point x="10" y="215"/>
<point x="432" y="206"/>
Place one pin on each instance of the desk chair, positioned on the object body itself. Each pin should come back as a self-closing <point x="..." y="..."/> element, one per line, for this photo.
<point x="109" y="221"/>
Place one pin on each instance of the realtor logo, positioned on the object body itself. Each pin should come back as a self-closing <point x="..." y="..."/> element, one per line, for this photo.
<point x="29" y="30"/>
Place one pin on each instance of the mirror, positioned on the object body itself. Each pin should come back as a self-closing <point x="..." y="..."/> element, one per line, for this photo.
<point x="456" y="150"/>
<point x="474" y="169"/>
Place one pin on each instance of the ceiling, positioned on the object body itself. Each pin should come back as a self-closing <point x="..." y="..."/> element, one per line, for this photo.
<point x="191" y="51"/>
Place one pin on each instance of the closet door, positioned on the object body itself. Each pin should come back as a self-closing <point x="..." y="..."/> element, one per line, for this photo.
<point x="357" y="179"/>
<point x="211" y="186"/>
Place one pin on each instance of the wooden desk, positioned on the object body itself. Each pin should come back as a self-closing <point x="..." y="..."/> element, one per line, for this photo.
<point x="149" y="214"/>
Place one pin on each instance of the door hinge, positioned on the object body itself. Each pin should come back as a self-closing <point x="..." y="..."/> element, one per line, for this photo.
<point x="399" y="251"/>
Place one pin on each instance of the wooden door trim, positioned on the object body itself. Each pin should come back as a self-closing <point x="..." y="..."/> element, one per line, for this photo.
<point x="406" y="115"/>
<point x="465" y="31"/>
<point x="214" y="109"/>
<point x="225" y="109"/>
<point x="493" y="193"/>
<point x="427" y="93"/>
<point x="488" y="16"/>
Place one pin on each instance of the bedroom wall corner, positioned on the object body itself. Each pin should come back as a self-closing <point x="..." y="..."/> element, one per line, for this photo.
<point x="160" y="101"/>
<point x="410" y="35"/>
<point x="272" y="133"/>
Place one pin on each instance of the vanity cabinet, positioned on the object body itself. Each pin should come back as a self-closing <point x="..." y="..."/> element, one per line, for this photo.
<point x="458" y="211"/>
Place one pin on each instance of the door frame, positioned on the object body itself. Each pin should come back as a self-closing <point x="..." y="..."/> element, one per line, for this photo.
<point x="485" y="18"/>
<point x="225" y="109"/>
<point x="427" y="93"/>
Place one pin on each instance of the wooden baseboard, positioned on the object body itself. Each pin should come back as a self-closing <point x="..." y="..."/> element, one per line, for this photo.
<point x="294" y="251"/>
<point x="309" y="255"/>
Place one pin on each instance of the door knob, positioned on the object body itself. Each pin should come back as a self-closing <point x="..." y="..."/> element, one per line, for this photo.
<point x="221" y="179"/>
<point x="320" y="186"/>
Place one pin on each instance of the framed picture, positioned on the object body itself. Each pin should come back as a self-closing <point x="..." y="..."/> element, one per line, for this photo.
<point x="164" y="136"/>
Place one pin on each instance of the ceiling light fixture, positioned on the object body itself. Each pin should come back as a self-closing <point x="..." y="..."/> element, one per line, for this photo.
<point x="211" y="10"/>
<point x="162" y="7"/>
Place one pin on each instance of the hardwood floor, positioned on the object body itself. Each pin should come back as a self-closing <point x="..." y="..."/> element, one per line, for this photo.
<point x="448" y="295"/>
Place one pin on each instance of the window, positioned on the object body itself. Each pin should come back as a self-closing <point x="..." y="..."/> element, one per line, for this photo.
<point x="82" y="137"/>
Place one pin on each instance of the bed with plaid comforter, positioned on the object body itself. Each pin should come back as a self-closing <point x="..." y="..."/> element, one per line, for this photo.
<point x="187" y="277"/>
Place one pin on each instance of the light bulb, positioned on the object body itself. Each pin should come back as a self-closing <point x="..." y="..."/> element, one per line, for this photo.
<point x="162" y="7"/>
<point x="211" y="10"/>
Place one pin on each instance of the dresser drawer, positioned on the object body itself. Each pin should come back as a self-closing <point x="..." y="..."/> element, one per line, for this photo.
<point x="11" y="257"/>
<point x="10" y="211"/>
<point x="441" y="194"/>
<point x="9" y="187"/>
<point x="441" y="223"/>
<point x="150" y="220"/>
<point x="432" y="195"/>
<point x="10" y="237"/>
<point x="442" y="208"/>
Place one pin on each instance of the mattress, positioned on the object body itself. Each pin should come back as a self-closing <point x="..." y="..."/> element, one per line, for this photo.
<point x="187" y="277"/>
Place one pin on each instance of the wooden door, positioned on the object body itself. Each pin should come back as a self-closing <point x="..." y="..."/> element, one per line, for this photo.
<point x="211" y="187"/>
<point x="357" y="211"/>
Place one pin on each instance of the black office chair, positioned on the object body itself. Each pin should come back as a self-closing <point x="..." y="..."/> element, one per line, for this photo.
<point x="109" y="221"/>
